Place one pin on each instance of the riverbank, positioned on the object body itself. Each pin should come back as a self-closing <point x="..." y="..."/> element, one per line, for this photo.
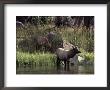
<point x="46" y="58"/>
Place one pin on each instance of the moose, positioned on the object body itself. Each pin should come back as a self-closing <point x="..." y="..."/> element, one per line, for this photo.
<point x="65" y="55"/>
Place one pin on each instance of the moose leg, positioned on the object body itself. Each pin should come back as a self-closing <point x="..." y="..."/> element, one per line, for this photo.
<point x="68" y="65"/>
<point x="65" y="64"/>
<point x="58" y="63"/>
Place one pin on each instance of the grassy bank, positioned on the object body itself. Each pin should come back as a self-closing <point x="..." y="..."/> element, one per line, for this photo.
<point x="39" y="58"/>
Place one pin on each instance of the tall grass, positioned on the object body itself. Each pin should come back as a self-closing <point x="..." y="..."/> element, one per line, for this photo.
<point x="79" y="36"/>
<point x="37" y="58"/>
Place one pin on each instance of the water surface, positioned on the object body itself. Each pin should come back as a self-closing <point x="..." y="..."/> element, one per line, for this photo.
<point x="52" y="69"/>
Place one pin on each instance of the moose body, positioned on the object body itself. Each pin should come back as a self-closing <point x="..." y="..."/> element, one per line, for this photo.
<point x="65" y="55"/>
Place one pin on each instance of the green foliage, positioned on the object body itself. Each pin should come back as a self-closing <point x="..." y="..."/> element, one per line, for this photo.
<point x="38" y="57"/>
<point x="88" y="57"/>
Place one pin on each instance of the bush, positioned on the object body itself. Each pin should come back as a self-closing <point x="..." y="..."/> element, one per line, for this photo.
<point x="55" y="40"/>
<point x="88" y="57"/>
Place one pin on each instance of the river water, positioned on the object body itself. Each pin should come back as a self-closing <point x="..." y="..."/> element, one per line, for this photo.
<point x="81" y="69"/>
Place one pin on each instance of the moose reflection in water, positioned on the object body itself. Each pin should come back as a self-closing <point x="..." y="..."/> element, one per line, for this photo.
<point x="55" y="44"/>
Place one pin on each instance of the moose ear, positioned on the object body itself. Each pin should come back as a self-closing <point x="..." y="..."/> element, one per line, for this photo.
<point x="76" y="47"/>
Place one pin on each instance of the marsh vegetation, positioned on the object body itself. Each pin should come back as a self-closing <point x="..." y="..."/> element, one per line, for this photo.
<point x="36" y="50"/>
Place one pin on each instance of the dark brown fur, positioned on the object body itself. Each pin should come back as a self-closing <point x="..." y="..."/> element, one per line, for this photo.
<point x="68" y="54"/>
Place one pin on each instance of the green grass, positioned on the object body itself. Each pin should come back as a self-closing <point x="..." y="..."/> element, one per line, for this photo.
<point x="86" y="55"/>
<point x="38" y="57"/>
